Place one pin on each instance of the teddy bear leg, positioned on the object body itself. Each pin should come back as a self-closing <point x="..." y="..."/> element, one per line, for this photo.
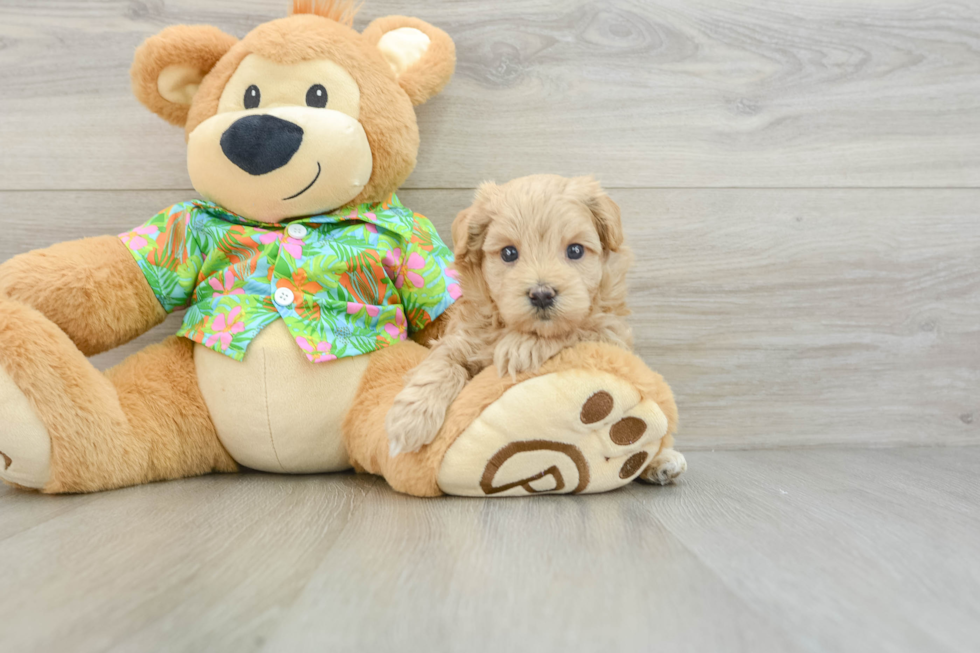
<point x="592" y="419"/>
<point x="364" y="425"/>
<point x="66" y="427"/>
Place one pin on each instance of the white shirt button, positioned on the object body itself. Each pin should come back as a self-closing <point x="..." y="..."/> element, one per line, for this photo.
<point x="284" y="297"/>
<point x="296" y="231"/>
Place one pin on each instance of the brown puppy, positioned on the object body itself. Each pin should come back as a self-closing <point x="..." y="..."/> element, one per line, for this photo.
<point x="542" y="266"/>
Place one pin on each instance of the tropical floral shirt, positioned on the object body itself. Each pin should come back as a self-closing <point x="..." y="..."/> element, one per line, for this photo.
<point x="346" y="283"/>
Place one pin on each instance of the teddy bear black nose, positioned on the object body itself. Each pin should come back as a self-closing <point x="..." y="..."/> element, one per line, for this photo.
<point x="262" y="143"/>
<point x="542" y="296"/>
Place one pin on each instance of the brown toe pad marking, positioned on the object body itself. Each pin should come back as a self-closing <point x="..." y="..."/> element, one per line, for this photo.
<point x="627" y="430"/>
<point x="633" y="464"/>
<point x="6" y="460"/>
<point x="597" y="407"/>
<point x="514" y="448"/>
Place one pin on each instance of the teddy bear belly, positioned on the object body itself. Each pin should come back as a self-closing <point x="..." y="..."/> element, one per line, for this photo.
<point x="275" y="411"/>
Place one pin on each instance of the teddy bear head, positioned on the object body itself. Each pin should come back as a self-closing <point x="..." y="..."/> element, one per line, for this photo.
<point x="304" y="114"/>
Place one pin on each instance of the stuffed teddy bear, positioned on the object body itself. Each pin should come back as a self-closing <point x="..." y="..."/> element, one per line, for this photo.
<point x="309" y="291"/>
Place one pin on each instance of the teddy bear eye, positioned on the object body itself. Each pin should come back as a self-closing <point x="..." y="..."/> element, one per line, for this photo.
<point x="316" y="97"/>
<point x="509" y="254"/>
<point x="575" y="251"/>
<point x="252" y="97"/>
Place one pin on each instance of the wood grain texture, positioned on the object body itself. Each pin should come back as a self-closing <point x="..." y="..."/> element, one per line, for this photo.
<point x="142" y="564"/>
<point x="812" y="317"/>
<point x="647" y="94"/>
<point x="829" y="550"/>
<point x="786" y="310"/>
<point x="780" y="317"/>
<point x="872" y="542"/>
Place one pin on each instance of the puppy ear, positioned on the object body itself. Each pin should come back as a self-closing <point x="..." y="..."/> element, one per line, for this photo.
<point x="423" y="57"/>
<point x="461" y="236"/>
<point x="470" y="228"/>
<point x="168" y="68"/>
<point x="605" y="212"/>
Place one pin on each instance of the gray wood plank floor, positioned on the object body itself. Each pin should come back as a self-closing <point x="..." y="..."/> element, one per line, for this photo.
<point x="803" y="550"/>
<point x="801" y="182"/>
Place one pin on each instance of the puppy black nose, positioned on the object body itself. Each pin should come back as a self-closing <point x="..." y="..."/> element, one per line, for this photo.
<point x="542" y="296"/>
<point x="262" y="143"/>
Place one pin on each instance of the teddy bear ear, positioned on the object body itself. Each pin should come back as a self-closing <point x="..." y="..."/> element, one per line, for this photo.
<point x="422" y="57"/>
<point x="168" y="68"/>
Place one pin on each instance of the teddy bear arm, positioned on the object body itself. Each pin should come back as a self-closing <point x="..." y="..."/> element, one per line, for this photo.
<point x="92" y="289"/>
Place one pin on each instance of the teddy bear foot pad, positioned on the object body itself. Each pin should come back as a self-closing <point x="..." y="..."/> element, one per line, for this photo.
<point x="580" y="433"/>
<point x="25" y="447"/>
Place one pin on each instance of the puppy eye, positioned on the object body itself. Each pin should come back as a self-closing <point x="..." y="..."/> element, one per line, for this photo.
<point x="316" y="97"/>
<point x="575" y="251"/>
<point x="509" y="254"/>
<point x="252" y="97"/>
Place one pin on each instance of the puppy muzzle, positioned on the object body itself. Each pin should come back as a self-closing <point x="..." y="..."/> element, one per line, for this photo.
<point x="542" y="298"/>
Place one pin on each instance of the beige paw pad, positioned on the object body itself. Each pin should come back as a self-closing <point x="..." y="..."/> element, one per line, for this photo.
<point x="568" y="432"/>
<point x="25" y="448"/>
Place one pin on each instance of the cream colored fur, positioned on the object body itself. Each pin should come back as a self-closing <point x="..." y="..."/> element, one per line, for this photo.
<point x="332" y="179"/>
<point x="495" y="321"/>
<point x="403" y="48"/>
<point x="178" y="83"/>
<point x="164" y="412"/>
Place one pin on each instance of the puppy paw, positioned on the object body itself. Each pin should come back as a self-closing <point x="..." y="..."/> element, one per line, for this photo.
<point x="666" y="466"/>
<point x="510" y="363"/>
<point x="517" y="353"/>
<point x="411" y="425"/>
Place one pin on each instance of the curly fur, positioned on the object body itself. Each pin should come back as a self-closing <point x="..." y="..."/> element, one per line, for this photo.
<point x="495" y="323"/>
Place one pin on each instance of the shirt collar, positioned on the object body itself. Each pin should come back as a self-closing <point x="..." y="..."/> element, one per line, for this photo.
<point x="390" y="214"/>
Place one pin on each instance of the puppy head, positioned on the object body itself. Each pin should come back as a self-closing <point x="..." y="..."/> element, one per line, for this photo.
<point x="537" y="247"/>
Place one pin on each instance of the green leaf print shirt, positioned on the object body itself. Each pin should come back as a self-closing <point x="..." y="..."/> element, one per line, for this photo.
<point x="346" y="283"/>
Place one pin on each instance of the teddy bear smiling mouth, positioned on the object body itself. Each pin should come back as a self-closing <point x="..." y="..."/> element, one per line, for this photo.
<point x="265" y="375"/>
<point x="319" y="169"/>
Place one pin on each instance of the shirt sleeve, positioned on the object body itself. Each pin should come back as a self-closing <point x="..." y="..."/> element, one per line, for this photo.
<point x="427" y="280"/>
<point x="168" y="254"/>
